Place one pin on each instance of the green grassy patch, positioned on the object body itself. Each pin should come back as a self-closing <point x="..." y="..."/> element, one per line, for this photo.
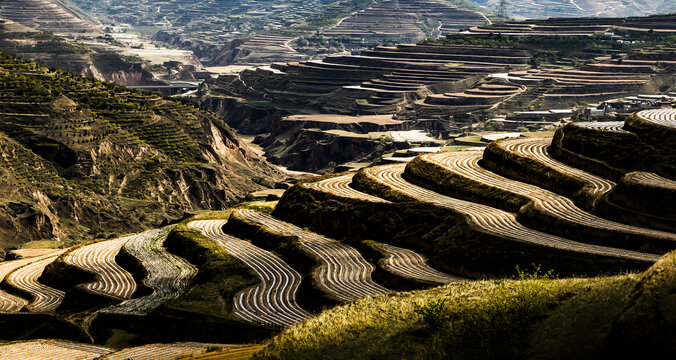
<point x="219" y="278"/>
<point x="469" y="320"/>
<point x="42" y="244"/>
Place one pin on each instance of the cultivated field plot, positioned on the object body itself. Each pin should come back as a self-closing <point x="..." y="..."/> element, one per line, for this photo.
<point x="661" y="117"/>
<point x="466" y="165"/>
<point x="273" y="301"/>
<point x="340" y="186"/>
<point x="46" y="15"/>
<point x="25" y="279"/>
<point x="343" y="272"/>
<point x="10" y="303"/>
<point x="99" y="258"/>
<point x="51" y="350"/>
<point x="615" y="126"/>
<point x="167" y="275"/>
<point x="164" y="351"/>
<point x="495" y="221"/>
<point x="409" y="264"/>
<point x="536" y="149"/>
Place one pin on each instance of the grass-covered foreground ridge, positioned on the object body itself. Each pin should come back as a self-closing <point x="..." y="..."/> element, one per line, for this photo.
<point x="533" y="316"/>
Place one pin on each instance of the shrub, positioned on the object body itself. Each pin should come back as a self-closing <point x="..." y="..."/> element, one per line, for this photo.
<point x="435" y="313"/>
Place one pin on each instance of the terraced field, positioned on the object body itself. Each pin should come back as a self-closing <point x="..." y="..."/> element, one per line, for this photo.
<point x="166" y="274"/>
<point x="243" y="352"/>
<point x="10" y="303"/>
<point x="46" y="15"/>
<point x="273" y="301"/>
<point x="163" y="351"/>
<point x="466" y="165"/>
<point x="536" y="149"/>
<point x="409" y="264"/>
<point x="44" y="298"/>
<point x="343" y="272"/>
<point x="662" y="117"/>
<point x="492" y="220"/>
<point x="340" y="186"/>
<point x="51" y="350"/>
<point x="397" y="19"/>
<point x="99" y="258"/>
<point x="616" y="126"/>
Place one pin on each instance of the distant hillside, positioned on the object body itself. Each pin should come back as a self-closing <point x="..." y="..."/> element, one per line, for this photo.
<point x="537" y="9"/>
<point x="58" y="16"/>
<point x="81" y="158"/>
<point x="55" y="51"/>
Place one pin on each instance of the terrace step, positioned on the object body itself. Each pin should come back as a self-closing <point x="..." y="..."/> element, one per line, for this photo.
<point x="539" y="208"/>
<point x="342" y="272"/>
<point x="24" y="280"/>
<point x="167" y="275"/>
<point x="499" y="224"/>
<point x="273" y="301"/>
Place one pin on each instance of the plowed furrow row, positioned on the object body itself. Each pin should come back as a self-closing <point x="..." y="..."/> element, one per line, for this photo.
<point x="664" y="117"/>
<point x="50" y="350"/>
<point x="616" y="126"/>
<point x="25" y="278"/>
<point x="652" y="179"/>
<point x="11" y="303"/>
<point x="167" y="275"/>
<point x="340" y="186"/>
<point x="493" y="220"/>
<point x="162" y="351"/>
<point x="410" y="264"/>
<point x="466" y="164"/>
<point x="343" y="271"/>
<point x="99" y="258"/>
<point x="537" y="149"/>
<point x="273" y="301"/>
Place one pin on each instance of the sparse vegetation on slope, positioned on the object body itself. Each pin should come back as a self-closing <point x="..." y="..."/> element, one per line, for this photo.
<point x="506" y="319"/>
<point x="86" y="158"/>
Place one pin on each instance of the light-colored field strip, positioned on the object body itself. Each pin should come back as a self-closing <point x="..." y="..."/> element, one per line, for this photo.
<point x="615" y="126"/>
<point x="399" y="261"/>
<point x="10" y="303"/>
<point x="343" y="271"/>
<point x="167" y="275"/>
<point x="273" y="301"/>
<point x="162" y="351"/>
<point x="340" y="186"/>
<point x="408" y="263"/>
<point x="493" y="220"/>
<point x="536" y="149"/>
<point x="45" y="298"/>
<point x="236" y="352"/>
<point x="652" y="179"/>
<point x="664" y="117"/>
<point x="50" y="350"/>
<point x="99" y="258"/>
<point x="466" y="164"/>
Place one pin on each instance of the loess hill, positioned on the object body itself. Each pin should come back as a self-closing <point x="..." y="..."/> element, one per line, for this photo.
<point x="82" y="158"/>
<point x="55" y="51"/>
<point x="521" y="201"/>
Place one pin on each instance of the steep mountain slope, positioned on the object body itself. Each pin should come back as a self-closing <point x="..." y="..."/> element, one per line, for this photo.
<point x="81" y="157"/>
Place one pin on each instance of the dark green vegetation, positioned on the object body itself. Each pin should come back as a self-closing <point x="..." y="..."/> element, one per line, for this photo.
<point x="82" y="158"/>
